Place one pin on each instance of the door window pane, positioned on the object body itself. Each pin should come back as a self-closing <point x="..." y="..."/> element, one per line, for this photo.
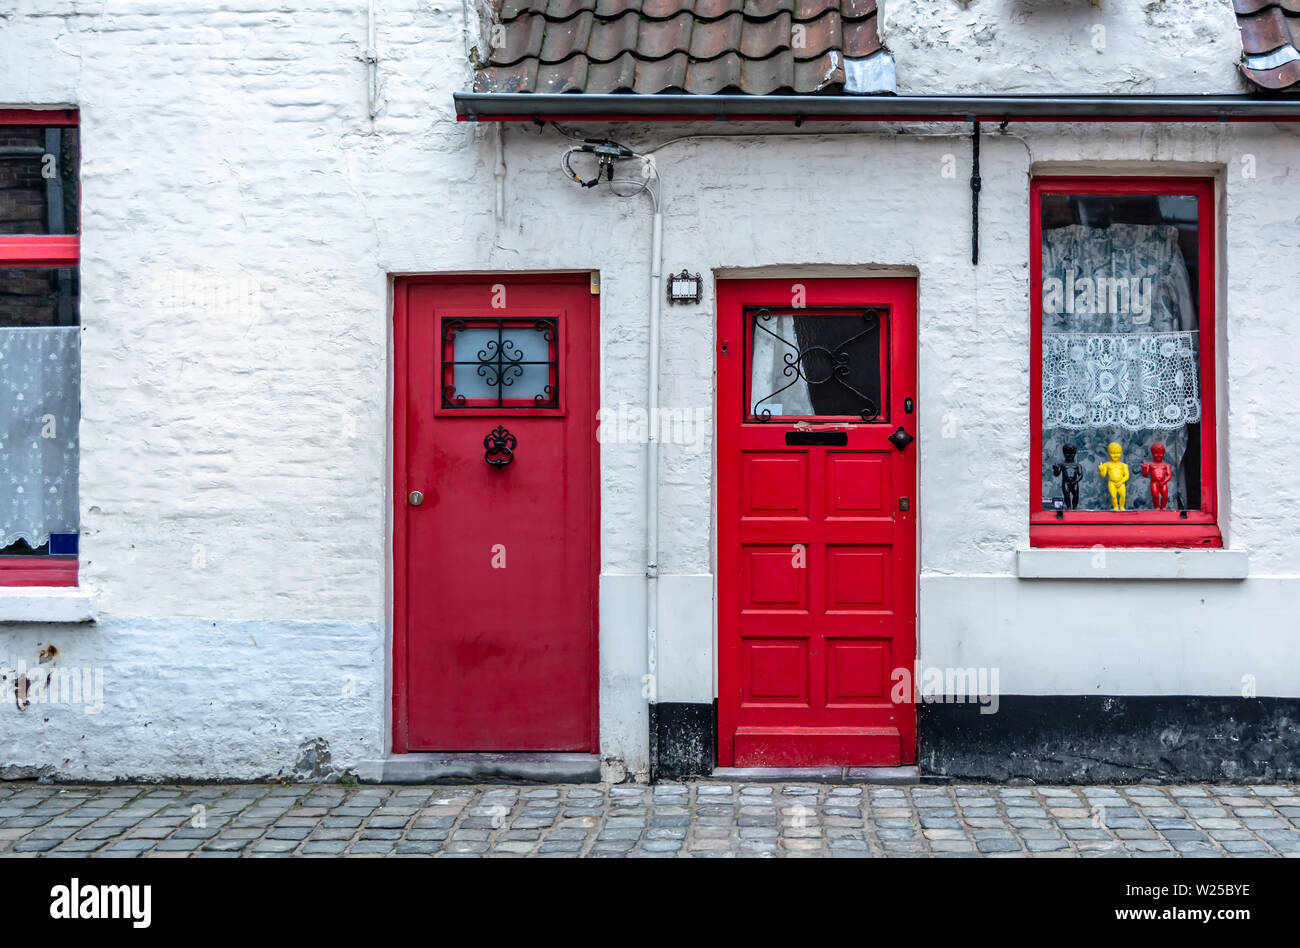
<point x="1120" y="351"/>
<point x="500" y="362"/>
<point x="810" y="364"/>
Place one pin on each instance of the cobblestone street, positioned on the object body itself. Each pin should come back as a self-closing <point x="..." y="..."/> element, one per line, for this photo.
<point x="668" y="820"/>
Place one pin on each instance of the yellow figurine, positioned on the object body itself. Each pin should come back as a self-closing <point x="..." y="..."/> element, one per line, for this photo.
<point x="1116" y="473"/>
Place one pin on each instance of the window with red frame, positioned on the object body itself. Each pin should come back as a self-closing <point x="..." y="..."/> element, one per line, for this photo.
<point x="496" y="362"/>
<point x="1122" y="377"/>
<point x="40" y="347"/>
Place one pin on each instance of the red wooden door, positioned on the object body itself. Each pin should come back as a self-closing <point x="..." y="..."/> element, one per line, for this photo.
<point x="816" y="521"/>
<point x="495" y="556"/>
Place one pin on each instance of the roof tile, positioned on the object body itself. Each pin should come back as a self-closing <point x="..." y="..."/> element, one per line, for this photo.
<point x="1270" y="40"/>
<point x="611" y="38"/>
<point x="1247" y="7"/>
<point x="660" y="38"/>
<point x="512" y="8"/>
<point x="814" y="75"/>
<point x="1265" y="31"/>
<point x="568" y="76"/>
<point x="563" y="9"/>
<point x="711" y="39"/>
<point x="712" y="9"/>
<point x="809" y="40"/>
<point x="613" y="8"/>
<point x="861" y="38"/>
<point x="811" y="9"/>
<point x="521" y="37"/>
<point x="521" y="77"/>
<point x="766" y="76"/>
<point x="619" y="75"/>
<point x="564" y="39"/>
<point x="714" y="76"/>
<point x="761" y="38"/>
<point x="661" y="75"/>
<point x="760" y="9"/>
<point x="663" y="9"/>
<point x="857" y="9"/>
<point x="696" y="46"/>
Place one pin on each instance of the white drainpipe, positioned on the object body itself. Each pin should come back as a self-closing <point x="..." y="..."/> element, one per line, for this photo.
<point x="371" y="59"/>
<point x="652" y="480"/>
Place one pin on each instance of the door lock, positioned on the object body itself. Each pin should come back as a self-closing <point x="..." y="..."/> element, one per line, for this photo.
<point x="905" y="503"/>
<point x="415" y="498"/>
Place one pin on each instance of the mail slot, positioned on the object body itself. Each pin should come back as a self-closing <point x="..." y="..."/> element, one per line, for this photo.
<point x="827" y="438"/>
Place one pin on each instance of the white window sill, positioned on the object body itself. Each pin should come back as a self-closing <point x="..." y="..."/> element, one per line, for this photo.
<point x="48" y="604"/>
<point x="1041" y="563"/>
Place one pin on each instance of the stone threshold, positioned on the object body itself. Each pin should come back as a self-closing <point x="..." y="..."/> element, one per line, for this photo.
<point x="490" y="768"/>
<point x="885" y="776"/>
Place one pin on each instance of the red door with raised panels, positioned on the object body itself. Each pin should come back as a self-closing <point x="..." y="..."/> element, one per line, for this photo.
<point x="816" y="521"/>
<point x="495" y="540"/>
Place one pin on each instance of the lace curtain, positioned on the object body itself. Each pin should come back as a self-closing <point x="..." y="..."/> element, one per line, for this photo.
<point x="1120" y="354"/>
<point x="40" y="373"/>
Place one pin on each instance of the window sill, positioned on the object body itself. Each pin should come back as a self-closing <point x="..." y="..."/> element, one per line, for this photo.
<point x="1131" y="564"/>
<point x="48" y="604"/>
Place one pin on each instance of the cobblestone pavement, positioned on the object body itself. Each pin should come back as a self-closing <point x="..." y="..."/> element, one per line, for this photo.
<point x="668" y="820"/>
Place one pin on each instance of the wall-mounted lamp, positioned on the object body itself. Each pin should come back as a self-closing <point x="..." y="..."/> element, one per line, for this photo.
<point x="685" y="287"/>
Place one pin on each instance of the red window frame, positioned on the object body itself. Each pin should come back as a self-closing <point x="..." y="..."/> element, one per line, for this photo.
<point x="487" y="406"/>
<point x="1147" y="528"/>
<point x="40" y="250"/>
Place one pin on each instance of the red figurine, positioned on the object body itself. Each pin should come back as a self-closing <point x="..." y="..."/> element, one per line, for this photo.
<point x="1160" y="474"/>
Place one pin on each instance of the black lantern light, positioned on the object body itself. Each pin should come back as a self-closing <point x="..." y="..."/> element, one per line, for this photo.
<point x="684" y="287"/>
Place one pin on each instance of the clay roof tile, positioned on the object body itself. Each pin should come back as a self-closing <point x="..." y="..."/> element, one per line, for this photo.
<point x="696" y="46"/>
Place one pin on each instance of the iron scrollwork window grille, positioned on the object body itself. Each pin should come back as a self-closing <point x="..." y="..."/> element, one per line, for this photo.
<point x="836" y="362"/>
<point x="500" y="363"/>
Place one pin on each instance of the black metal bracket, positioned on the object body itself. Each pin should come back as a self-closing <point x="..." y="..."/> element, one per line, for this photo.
<point x="500" y="445"/>
<point x="975" y="191"/>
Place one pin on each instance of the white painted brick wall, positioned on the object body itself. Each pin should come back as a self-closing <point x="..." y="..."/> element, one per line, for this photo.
<point x="235" y="464"/>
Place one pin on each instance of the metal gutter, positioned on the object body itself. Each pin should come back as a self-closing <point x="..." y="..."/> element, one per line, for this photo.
<point x="508" y="107"/>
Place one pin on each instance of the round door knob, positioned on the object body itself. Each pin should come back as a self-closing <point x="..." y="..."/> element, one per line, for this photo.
<point x="415" y="498"/>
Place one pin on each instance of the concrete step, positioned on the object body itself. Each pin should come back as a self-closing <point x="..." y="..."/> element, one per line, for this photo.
<point x="885" y="776"/>
<point x="491" y="768"/>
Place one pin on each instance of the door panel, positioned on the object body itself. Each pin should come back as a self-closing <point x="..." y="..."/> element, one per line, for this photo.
<point x="816" y="522"/>
<point x="496" y="567"/>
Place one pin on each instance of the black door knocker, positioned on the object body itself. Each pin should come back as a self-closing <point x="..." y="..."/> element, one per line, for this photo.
<point x="500" y="445"/>
<point x="900" y="438"/>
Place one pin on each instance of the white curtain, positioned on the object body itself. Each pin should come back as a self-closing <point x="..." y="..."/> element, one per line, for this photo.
<point x="40" y="409"/>
<point x="775" y="383"/>
<point x="1120" y="354"/>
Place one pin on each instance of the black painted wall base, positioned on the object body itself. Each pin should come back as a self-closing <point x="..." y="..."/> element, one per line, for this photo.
<point x="1057" y="739"/>
<point x="1097" y="738"/>
<point x="685" y="740"/>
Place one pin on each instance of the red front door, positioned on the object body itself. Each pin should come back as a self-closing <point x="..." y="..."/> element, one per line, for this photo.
<point x="816" y="521"/>
<point x="495" y="546"/>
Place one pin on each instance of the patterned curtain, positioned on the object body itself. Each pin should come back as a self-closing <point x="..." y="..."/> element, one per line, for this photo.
<point x="40" y="409"/>
<point x="1120" y="355"/>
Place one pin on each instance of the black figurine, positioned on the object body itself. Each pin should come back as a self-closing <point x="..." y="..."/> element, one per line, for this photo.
<point x="1070" y="474"/>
